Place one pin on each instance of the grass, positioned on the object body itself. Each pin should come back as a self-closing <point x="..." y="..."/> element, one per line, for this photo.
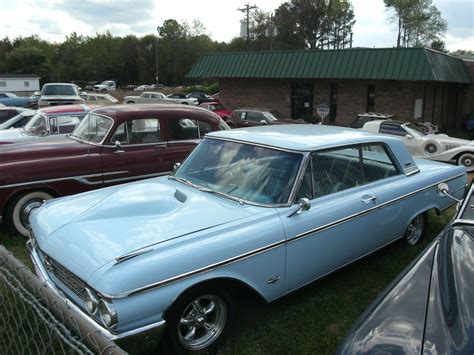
<point x="316" y="318"/>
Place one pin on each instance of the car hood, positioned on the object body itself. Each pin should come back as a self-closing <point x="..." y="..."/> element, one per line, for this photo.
<point x="394" y="323"/>
<point x="89" y="230"/>
<point x="60" y="97"/>
<point x="45" y="148"/>
<point x="9" y="135"/>
<point x="449" y="321"/>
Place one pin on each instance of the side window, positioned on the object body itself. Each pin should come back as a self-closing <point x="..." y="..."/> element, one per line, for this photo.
<point x="139" y="131"/>
<point x="377" y="163"/>
<point x="185" y="129"/>
<point x="392" y="129"/>
<point x="331" y="171"/>
<point x="254" y="116"/>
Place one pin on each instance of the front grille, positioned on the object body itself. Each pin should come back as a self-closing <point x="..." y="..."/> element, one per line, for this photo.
<point x="71" y="281"/>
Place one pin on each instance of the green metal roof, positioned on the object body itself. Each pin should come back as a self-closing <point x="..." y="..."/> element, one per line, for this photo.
<point x="412" y="64"/>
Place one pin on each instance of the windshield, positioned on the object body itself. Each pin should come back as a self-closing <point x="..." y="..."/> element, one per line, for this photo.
<point x="93" y="128"/>
<point x="243" y="171"/>
<point x="217" y="107"/>
<point x="17" y="121"/>
<point x="61" y="90"/>
<point x="37" y="125"/>
<point x="270" y="116"/>
<point x="414" y="130"/>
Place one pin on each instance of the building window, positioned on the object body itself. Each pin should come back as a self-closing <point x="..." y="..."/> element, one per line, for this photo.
<point x="27" y="84"/>
<point x="3" y="84"/>
<point x="370" y="98"/>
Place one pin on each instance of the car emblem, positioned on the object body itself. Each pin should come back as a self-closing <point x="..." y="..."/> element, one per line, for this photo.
<point x="49" y="264"/>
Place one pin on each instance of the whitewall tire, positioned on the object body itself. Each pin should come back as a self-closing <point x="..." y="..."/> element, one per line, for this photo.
<point x="21" y="207"/>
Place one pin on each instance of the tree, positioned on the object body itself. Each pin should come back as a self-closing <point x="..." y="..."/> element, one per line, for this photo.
<point x="419" y="22"/>
<point x="439" y="45"/>
<point x="314" y="24"/>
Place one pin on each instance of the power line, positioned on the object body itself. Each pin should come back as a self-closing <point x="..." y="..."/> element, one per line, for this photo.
<point x="33" y="30"/>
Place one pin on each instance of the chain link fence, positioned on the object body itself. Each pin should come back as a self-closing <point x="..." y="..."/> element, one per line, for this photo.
<point x="34" y="320"/>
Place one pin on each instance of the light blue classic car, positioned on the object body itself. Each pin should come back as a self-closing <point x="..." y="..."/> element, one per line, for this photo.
<point x="267" y="209"/>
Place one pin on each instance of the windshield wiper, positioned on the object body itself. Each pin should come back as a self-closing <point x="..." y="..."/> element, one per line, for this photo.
<point x="205" y="189"/>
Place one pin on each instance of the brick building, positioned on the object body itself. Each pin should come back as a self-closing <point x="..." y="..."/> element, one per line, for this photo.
<point x="411" y="83"/>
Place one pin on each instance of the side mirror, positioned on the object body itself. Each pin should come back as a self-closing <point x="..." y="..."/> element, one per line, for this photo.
<point x="176" y="167"/>
<point x="303" y="205"/>
<point x="263" y="122"/>
<point x="118" y="147"/>
<point x="407" y="136"/>
<point x="443" y="189"/>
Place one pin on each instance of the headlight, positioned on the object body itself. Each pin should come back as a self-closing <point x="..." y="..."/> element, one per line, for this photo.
<point x="91" y="301"/>
<point x="107" y="313"/>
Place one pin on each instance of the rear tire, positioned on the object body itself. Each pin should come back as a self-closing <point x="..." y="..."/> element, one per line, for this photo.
<point x="199" y="320"/>
<point x="130" y="102"/>
<point x="21" y="206"/>
<point x="416" y="229"/>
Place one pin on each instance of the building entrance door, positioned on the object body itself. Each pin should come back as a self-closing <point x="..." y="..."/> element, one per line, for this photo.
<point x="302" y="101"/>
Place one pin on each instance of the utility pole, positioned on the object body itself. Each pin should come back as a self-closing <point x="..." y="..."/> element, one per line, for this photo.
<point x="156" y="54"/>
<point x="246" y="10"/>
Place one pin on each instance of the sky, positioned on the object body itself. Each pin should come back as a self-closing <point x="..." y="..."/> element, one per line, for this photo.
<point x="53" y="20"/>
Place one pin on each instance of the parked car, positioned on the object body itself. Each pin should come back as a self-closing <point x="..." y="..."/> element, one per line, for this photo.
<point x="48" y="121"/>
<point x="200" y="96"/>
<point x="429" y="308"/>
<point x="108" y="85"/>
<point x="101" y="99"/>
<point x="8" y="112"/>
<point x="182" y="99"/>
<point x="148" y="98"/>
<point x="217" y="108"/>
<point x="248" y="117"/>
<point x="114" y="144"/>
<point x="10" y="99"/>
<point x="142" y="88"/>
<point x="59" y="94"/>
<point x="438" y="147"/>
<point x="19" y="120"/>
<point x="264" y="209"/>
<point x="33" y="100"/>
<point x="156" y="86"/>
<point x="216" y="96"/>
<point x="363" y="118"/>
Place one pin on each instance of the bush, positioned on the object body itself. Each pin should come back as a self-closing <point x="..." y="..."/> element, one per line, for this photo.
<point x="208" y="89"/>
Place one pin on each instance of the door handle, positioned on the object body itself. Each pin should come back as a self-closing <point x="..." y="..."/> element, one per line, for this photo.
<point x="161" y="147"/>
<point x="369" y="199"/>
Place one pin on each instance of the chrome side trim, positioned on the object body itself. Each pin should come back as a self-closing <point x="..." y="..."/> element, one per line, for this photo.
<point x="84" y="177"/>
<point x="84" y="180"/>
<point x="200" y="270"/>
<point x="112" y="336"/>
<point x="358" y="214"/>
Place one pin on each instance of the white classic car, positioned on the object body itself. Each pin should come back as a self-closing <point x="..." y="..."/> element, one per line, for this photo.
<point x="183" y="99"/>
<point x="438" y="147"/>
<point x="148" y="98"/>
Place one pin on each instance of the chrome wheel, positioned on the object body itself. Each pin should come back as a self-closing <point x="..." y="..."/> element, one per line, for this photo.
<point x="27" y="209"/>
<point x="466" y="160"/>
<point x="415" y="229"/>
<point x="202" y="322"/>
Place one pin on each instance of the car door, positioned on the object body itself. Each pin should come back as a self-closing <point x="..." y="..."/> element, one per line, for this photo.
<point x="340" y="225"/>
<point x="184" y="134"/>
<point x="136" y="150"/>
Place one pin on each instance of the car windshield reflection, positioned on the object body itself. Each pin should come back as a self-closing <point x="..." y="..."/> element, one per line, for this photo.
<point x="242" y="171"/>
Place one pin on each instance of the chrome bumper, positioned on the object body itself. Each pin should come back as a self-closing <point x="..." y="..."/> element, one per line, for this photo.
<point x="139" y="334"/>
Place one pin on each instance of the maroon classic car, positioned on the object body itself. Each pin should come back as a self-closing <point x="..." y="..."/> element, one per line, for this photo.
<point x="112" y="145"/>
<point x="248" y="117"/>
